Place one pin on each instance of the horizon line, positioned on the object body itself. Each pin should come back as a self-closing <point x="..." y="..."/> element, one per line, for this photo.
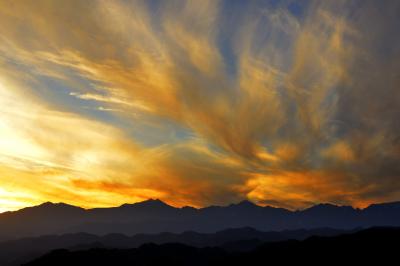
<point x="199" y="208"/>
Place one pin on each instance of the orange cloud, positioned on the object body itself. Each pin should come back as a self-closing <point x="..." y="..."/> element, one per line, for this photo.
<point x="276" y="107"/>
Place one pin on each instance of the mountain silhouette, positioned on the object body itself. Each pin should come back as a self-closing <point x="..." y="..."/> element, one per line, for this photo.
<point x="15" y="252"/>
<point x="155" y="216"/>
<point x="375" y="246"/>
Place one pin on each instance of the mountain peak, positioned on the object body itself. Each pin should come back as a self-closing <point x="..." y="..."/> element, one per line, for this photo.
<point x="154" y="202"/>
<point x="322" y="206"/>
<point x="149" y="203"/>
<point x="50" y="204"/>
<point x="46" y="204"/>
<point x="244" y="204"/>
<point x="51" y="207"/>
<point x="386" y="205"/>
<point x="328" y="207"/>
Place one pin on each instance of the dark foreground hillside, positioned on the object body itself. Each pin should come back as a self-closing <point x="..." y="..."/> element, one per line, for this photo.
<point x="377" y="246"/>
<point x="16" y="252"/>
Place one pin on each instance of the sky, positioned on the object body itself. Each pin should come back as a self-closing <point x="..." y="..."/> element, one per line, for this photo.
<point x="283" y="103"/>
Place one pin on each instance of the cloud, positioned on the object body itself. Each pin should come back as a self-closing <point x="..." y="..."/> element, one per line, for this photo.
<point x="280" y="105"/>
<point x="61" y="156"/>
<point x="111" y="100"/>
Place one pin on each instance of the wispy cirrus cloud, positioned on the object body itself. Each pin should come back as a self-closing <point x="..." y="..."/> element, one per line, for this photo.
<point x="285" y="103"/>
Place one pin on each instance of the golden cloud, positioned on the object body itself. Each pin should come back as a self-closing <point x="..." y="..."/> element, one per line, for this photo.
<point x="279" y="107"/>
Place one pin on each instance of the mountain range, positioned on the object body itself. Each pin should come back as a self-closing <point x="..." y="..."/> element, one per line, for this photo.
<point x="155" y="216"/>
<point x="15" y="252"/>
<point x="373" y="246"/>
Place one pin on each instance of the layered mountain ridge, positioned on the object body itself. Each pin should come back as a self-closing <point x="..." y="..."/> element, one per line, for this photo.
<point x="155" y="216"/>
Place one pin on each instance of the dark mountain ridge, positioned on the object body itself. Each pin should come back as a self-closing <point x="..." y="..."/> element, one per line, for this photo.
<point x="15" y="252"/>
<point x="375" y="246"/>
<point x="155" y="216"/>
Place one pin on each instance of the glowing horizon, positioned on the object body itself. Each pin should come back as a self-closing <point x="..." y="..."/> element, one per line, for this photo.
<point x="198" y="208"/>
<point x="283" y="103"/>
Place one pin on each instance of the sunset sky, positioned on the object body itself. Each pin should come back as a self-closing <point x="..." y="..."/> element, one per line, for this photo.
<point x="284" y="103"/>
